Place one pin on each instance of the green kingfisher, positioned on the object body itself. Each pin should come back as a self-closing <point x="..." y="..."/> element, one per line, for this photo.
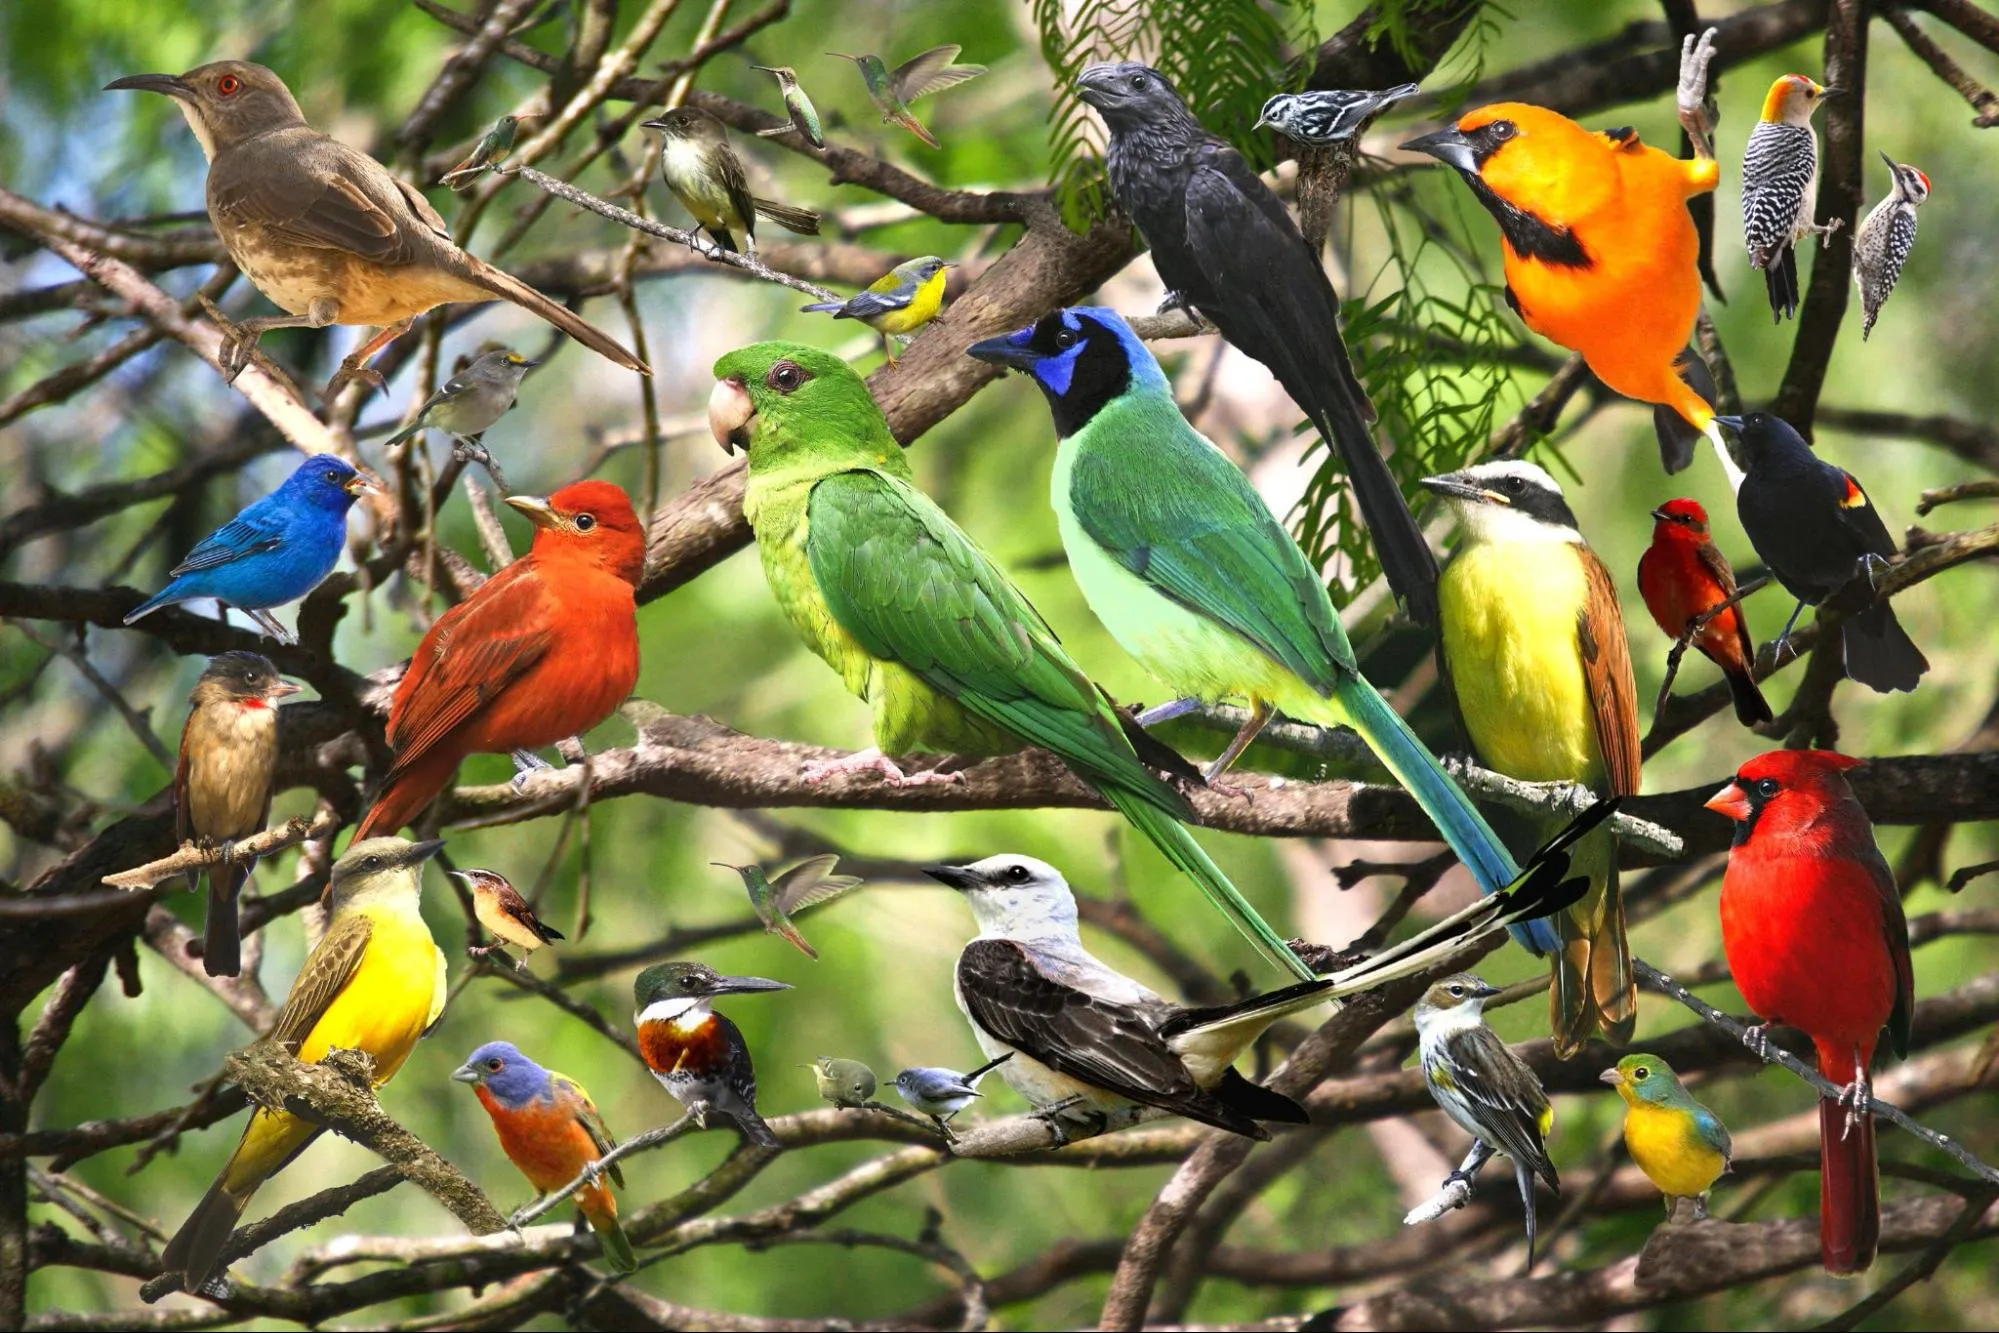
<point x="695" y="1053"/>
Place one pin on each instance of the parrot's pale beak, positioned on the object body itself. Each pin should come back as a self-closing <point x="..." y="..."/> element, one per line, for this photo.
<point x="730" y="411"/>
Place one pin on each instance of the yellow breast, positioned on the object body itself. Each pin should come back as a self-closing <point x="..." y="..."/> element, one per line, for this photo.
<point x="1669" y="1151"/>
<point x="390" y="1000"/>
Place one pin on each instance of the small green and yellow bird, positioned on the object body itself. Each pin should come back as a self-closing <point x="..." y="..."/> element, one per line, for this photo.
<point x="804" y="116"/>
<point x="778" y="898"/>
<point x="892" y="92"/>
<point x="919" y="621"/>
<point x="1680" y="1145"/>
<point x="490" y="151"/>
<point x="901" y="301"/>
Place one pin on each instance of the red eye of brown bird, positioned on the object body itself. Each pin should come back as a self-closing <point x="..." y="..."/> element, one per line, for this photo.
<point x="228" y="85"/>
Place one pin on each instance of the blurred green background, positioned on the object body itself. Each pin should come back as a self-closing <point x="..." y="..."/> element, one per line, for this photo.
<point x="882" y="990"/>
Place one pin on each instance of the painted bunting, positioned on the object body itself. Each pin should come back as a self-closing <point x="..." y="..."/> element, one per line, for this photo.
<point x="1680" y="1145"/>
<point x="374" y="983"/>
<point x="275" y="551"/>
<point x="222" y="786"/>
<point x="546" y="648"/>
<point x="901" y="301"/>
<point x="500" y="909"/>
<point x="807" y="884"/>
<point x="1812" y="925"/>
<point x="845" y="1083"/>
<point x="696" y="1054"/>
<point x="804" y="116"/>
<point x="916" y="618"/>
<point x="1488" y="1090"/>
<point x="920" y="76"/>
<point x="550" y="1129"/>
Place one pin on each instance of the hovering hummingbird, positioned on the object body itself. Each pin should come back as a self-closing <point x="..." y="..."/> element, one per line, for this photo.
<point x="797" y="887"/>
<point x="804" y="116"/>
<point x="490" y="151"/>
<point x="925" y="74"/>
<point x="847" y="1084"/>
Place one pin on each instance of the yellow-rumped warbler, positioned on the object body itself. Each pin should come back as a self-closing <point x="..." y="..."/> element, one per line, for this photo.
<point x="1485" y="1087"/>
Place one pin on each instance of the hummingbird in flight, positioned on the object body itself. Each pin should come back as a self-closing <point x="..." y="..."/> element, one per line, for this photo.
<point x="893" y="91"/>
<point x="807" y="884"/>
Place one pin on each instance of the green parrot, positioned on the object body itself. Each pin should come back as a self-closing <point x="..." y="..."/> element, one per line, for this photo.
<point x="1191" y="572"/>
<point x="917" y="619"/>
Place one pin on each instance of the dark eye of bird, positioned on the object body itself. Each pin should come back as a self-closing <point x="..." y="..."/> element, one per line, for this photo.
<point x="1018" y="874"/>
<point x="1503" y="129"/>
<point x="1641" y="1073"/>
<point x="1458" y="991"/>
<point x="1768" y="787"/>
<point x="1138" y="80"/>
<point x="585" y="522"/>
<point x="1066" y="338"/>
<point x="1513" y="485"/>
<point x="785" y="376"/>
<point x="494" y="1064"/>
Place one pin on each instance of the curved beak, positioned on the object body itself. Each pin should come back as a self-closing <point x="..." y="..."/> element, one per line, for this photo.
<point x="1009" y="350"/>
<point x="1733" y="423"/>
<point x="1731" y="801"/>
<point x="953" y="877"/>
<point x="538" y="510"/>
<point x="1450" y="147"/>
<point x="730" y="412"/>
<point x="745" y="985"/>
<point x="1087" y="85"/>
<point x="465" y="1073"/>
<point x="364" y="483"/>
<point x="170" y="84"/>
<point x="1610" y="1076"/>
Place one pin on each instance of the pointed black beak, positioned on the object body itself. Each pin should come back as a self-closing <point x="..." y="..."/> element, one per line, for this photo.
<point x="1009" y="350"/>
<point x="420" y="852"/>
<point x="1453" y="484"/>
<point x="169" y="84"/>
<point x="1448" y="146"/>
<point x="955" y="877"/>
<point x="1733" y="423"/>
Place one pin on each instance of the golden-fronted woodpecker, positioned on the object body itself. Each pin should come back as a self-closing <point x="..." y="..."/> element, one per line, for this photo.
<point x="1780" y="172"/>
<point x="1885" y="239"/>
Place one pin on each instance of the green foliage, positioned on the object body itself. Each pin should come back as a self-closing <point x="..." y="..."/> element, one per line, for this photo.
<point x="1226" y="57"/>
<point x="1431" y="354"/>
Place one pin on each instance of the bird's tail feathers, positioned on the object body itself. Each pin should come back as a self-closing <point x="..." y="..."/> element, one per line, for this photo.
<point x="1780" y="279"/>
<point x="197" y="1247"/>
<point x="803" y="221"/>
<point x="166" y="596"/>
<point x="1406" y="559"/>
<point x="1849" y="1191"/>
<point x="1177" y="845"/>
<point x="823" y="308"/>
<point x="1879" y="652"/>
<point x="971" y="1080"/>
<point x="611" y="1236"/>
<point x="1595" y="989"/>
<point x="504" y="284"/>
<point x="1751" y="708"/>
<point x="1257" y="1102"/>
<point x="755" y="1131"/>
<point x="1222" y="1032"/>
<point x="221" y="944"/>
<point x="1677" y="435"/>
<point x="1523" y="1176"/>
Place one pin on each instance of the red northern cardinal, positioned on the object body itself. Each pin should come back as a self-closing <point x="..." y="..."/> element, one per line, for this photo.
<point x="1681" y="576"/>
<point x="547" y="648"/>
<point x="1814" y="933"/>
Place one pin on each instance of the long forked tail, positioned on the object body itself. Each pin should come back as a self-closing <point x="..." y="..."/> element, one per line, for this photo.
<point x="1177" y="845"/>
<point x="504" y="284"/>
<point x="1456" y="818"/>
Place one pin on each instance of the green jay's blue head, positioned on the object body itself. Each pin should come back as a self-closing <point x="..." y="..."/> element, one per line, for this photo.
<point x="1084" y="359"/>
<point x="512" y="1078"/>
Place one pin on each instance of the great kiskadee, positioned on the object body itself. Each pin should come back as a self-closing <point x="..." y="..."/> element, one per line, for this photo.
<point x="1533" y="648"/>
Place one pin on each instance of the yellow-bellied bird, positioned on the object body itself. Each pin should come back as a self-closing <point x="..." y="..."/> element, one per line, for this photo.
<point x="375" y="983"/>
<point x="1533" y="647"/>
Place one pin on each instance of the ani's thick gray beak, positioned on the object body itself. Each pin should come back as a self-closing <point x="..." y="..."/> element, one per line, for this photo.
<point x="1449" y="147"/>
<point x="730" y="412"/>
<point x="955" y="877"/>
<point x="170" y="84"/>
<point x="1089" y="84"/>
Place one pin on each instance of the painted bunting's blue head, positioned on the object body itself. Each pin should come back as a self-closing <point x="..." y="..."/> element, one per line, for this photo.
<point x="1084" y="358"/>
<point x="327" y="482"/>
<point x="512" y="1078"/>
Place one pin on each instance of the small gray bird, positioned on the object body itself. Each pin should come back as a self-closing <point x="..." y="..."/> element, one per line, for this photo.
<point x="468" y="405"/>
<point x="1328" y="116"/>
<point x="1480" y="1083"/>
<point x="942" y="1093"/>
<point x="847" y="1084"/>
<point x="702" y="169"/>
<point x="804" y="116"/>
<point x="1885" y="238"/>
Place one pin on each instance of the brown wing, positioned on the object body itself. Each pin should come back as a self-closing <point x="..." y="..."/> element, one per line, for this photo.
<point x="475" y="650"/>
<point x="183" y="809"/>
<point x="326" y="973"/>
<point x="1716" y="565"/>
<point x="1607" y="671"/>
<point x="737" y="182"/>
<point x="324" y="195"/>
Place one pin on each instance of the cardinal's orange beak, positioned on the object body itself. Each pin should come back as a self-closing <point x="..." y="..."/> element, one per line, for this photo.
<point x="1731" y="801"/>
<point x="730" y="411"/>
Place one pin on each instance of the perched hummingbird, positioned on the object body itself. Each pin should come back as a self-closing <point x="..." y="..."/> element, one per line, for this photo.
<point x="796" y="888"/>
<point x="926" y="74"/>
<point x="502" y="911"/>
<point x="704" y="173"/>
<point x="942" y="1093"/>
<point x="695" y="1053"/>
<point x="847" y="1084"/>
<point x="804" y="116"/>
<point x="490" y="151"/>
